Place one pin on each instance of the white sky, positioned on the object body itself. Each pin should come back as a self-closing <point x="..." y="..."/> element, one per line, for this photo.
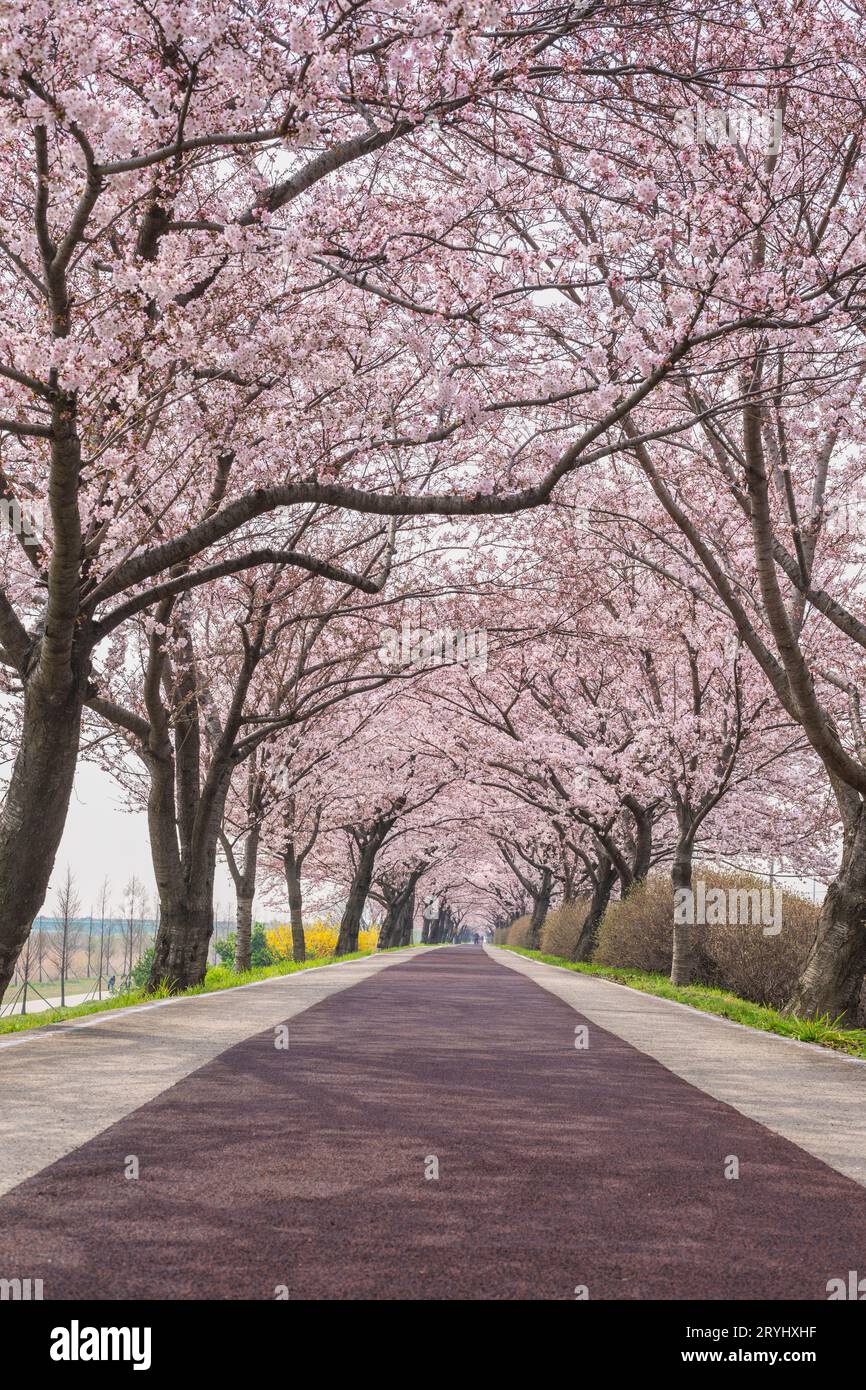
<point x="102" y="839"/>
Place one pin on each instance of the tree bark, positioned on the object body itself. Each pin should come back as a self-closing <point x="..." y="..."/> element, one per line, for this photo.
<point x="184" y="883"/>
<point x="605" y="878"/>
<point x="408" y="920"/>
<point x="400" y="915"/>
<point x="293" y="887"/>
<point x="245" y="886"/>
<point x="683" y="960"/>
<point x="436" y="933"/>
<point x="350" y="925"/>
<point x="369" y="842"/>
<point x="34" y="813"/>
<point x="181" y="946"/>
<point x="832" y="977"/>
<point x="643" y="840"/>
<point x="390" y="925"/>
<point x="540" y="906"/>
<point x="243" y="933"/>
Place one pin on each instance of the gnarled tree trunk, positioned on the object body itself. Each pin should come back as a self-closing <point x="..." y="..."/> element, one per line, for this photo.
<point x="832" y="977"/>
<point x="182" y="941"/>
<point x="540" y="905"/>
<point x="34" y="813"/>
<point x="400" y="914"/>
<point x="184" y="877"/>
<point x="350" y="924"/>
<point x="296" y="915"/>
<point x="390" y="925"/>
<point x="605" y="878"/>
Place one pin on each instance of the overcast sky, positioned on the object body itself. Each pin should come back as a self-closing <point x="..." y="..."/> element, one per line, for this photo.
<point x="102" y="840"/>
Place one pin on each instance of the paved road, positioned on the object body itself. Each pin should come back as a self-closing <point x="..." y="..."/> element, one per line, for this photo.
<point x="811" y="1095"/>
<point x="313" y="1168"/>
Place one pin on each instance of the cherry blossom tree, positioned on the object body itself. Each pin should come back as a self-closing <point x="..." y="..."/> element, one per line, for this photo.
<point x="153" y="157"/>
<point x="422" y="261"/>
<point x="750" y="457"/>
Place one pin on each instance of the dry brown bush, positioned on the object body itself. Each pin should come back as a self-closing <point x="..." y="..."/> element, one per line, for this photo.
<point x="518" y="932"/>
<point x="562" y="928"/>
<point x="637" y="932"/>
<point x="758" y="967"/>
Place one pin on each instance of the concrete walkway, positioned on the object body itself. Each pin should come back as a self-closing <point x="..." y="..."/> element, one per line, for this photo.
<point x="35" y="1005"/>
<point x="810" y="1095"/>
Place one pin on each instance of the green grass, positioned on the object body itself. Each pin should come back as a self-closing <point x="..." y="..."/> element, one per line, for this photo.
<point x="218" y="977"/>
<point x="824" y="1030"/>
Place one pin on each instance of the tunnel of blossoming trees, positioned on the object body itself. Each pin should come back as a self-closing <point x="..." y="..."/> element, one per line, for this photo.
<point x="432" y="477"/>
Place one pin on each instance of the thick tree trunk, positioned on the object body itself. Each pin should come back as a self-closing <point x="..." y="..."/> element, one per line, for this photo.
<point x="602" y="889"/>
<point x="399" y="917"/>
<point x="389" y="926"/>
<point x="407" y="920"/>
<point x="350" y="925"/>
<point x="185" y="893"/>
<point x="181" y="946"/>
<point x="244" y="932"/>
<point x="436" y="934"/>
<point x="34" y="814"/>
<point x="296" y="917"/>
<point x="683" y="961"/>
<point x="643" y="841"/>
<point x="539" y="911"/>
<point x="184" y="875"/>
<point x="832" y="977"/>
<point x="445" y="927"/>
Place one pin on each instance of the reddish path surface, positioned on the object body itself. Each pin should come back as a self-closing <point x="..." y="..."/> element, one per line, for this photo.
<point x="557" y="1167"/>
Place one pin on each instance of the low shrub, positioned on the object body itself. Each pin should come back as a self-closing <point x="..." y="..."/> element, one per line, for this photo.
<point x="320" y="940"/>
<point x="518" y="932"/>
<point x="141" y="970"/>
<point x="562" y="928"/>
<point x="759" y="967"/>
<point x="260" y="952"/>
<point x="637" y="934"/>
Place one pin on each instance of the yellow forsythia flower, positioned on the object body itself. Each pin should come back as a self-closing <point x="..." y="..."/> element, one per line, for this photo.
<point x="320" y="939"/>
